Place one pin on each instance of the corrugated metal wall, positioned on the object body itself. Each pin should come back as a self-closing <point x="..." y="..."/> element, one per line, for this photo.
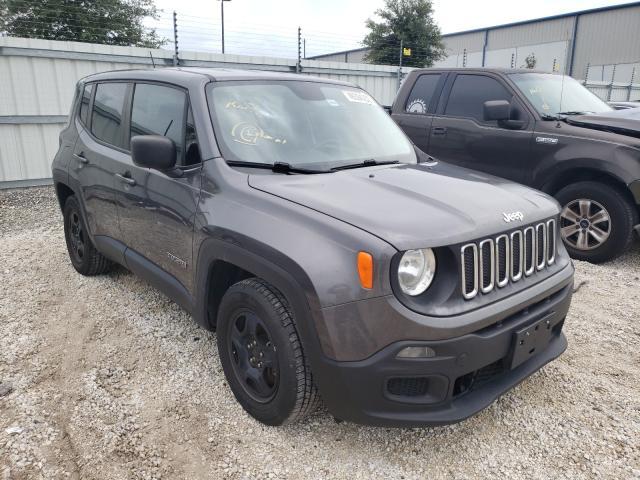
<point x="37" y="80"/>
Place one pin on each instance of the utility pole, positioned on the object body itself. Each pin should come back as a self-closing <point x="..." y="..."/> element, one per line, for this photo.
<point x="222" y="20"/>
<point x="176" y="59"/>
<point x="299" y="62"/>
<point x="400" y="66"/>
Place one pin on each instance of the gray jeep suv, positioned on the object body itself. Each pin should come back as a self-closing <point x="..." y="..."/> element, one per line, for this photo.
<point x="334" y="259"/>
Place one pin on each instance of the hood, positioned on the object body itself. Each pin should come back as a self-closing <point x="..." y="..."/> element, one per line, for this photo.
<point x="414" y="206"/>
<point x="624" y="122"/>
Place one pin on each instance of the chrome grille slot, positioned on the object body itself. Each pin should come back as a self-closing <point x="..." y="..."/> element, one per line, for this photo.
<point x="551" y="242"/>
<point x="495" y="262"/>
<point x="469" y="257"/>
<point x="529" y="251"/>
<point x="541" y="246"/>
<point x="487" y="265"/>
<point x="502" y="260"/>
<point x="516" y="256"/>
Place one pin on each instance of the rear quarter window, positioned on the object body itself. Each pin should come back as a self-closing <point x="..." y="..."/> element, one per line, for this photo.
<point x="422" y="93"/>
<point x="84" y="103"/>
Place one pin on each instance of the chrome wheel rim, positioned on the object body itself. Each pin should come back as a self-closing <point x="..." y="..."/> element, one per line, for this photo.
<point x="585" y="224"/>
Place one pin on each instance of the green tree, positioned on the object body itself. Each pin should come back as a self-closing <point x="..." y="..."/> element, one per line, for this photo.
<point x="110" y="22"/>
<point x="410" y="21"/>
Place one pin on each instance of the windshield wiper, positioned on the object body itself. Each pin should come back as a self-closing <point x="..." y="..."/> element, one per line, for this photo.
<point x="366" y="163"/>
<point x="574" y="112"/>
<point x="278" y="167"/>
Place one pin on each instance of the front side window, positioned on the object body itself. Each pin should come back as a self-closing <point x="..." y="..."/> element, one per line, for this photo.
<point x="106" y="118"/>
<point x="303" y="124"/>
<point x="551" y="95"/>
<point x="84" y="103"/>
<point x="159" y="110"/>
<point x="422" y="93"/>
<point x="469" y="93"/>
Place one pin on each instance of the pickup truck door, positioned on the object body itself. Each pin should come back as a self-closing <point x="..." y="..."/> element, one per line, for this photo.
<point x="460" y="135"/>
<point x="416" y="114"/>
<point x="157" y="209"/>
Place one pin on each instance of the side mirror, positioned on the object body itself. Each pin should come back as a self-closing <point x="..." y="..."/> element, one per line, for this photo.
<point x="496" y="110"/>
<point x="153" y="151"/>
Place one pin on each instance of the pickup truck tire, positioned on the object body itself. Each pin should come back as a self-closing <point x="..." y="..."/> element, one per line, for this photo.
<point x="261" y="354"/>
<point x="596" y="221"/>
<point x="83" y="254"/>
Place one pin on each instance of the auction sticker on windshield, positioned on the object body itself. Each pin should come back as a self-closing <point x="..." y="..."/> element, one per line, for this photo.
<point x="358" y="97"/>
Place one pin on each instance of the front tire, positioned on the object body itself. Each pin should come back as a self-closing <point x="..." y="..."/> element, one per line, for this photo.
<point x="596" y="223"/>
<point x="262" y="356"/>
<point x="82" y="253"/>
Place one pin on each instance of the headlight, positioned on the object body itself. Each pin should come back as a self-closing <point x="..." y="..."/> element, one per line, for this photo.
<point x="416" y="271"/>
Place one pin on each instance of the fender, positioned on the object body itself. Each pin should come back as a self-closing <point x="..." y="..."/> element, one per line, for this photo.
<point x="280" y="271"/>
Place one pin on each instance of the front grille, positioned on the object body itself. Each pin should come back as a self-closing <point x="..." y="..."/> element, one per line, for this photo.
<point x="494" y="263"/>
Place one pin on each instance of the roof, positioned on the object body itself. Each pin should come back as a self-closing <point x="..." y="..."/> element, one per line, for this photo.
<point x="498" y="70"/>
<point x="362" y="49"/>
<point x="543" y="19"/>
<point x="190" y="75"/>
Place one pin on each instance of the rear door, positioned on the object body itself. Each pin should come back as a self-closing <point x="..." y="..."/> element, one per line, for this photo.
<point x="460" y="135"/>
<point x="98" y="153"/>
<point x="157" y="209"/>
<point x="416" y="114"/>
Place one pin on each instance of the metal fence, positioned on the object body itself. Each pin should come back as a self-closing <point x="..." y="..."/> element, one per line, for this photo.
<point x="37" y="80"/>
<point x="615" y="82"/>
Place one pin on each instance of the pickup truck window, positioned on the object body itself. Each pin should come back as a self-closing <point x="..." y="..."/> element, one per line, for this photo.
<point x="159" y="110"/>
<point x="422" y="93"/>
<point x="303" y="123"/>
<point x="469" y="93"/>
<point x="106" y="118"/>
<point x="549" y="96"/>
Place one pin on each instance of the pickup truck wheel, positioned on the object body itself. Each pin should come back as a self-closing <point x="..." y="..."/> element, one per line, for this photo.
<point x="84" y="256"/>
<point x="596" y="222"/>
<point x="261" y="354"/>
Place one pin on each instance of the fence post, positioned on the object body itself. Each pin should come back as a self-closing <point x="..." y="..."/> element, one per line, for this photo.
<point x="399" y="66"/>
<point x="513" y="60"/>
<point x="299" y="62"/>
<point x="613" y="78"/>
<point x="633" y="75"/>
<point x="176" y="58"/>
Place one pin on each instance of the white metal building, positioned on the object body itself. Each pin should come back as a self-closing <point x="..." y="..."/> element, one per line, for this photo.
<point x="605" y="41"/>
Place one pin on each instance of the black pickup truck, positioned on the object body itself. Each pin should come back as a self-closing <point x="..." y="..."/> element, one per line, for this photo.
<point x="540" y="129"/>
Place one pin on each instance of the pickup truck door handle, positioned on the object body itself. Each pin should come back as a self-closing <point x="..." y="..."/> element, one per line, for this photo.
<point x="439" y="130"/>
<point x="126" y="179"/>
<point x="80" y="156"/>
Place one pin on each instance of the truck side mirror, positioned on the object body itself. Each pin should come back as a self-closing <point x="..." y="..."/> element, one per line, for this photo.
<point x="153" y="151"/>
<point x="496" y="110"/>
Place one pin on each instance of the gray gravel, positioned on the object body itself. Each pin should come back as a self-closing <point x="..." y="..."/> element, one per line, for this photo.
<point x="107" y="379"/>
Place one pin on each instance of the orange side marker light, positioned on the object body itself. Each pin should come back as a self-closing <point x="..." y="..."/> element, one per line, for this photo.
<point x="365" y="269"/>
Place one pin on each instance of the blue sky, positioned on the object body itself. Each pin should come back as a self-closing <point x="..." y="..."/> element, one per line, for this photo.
<point x="269" y="27"/>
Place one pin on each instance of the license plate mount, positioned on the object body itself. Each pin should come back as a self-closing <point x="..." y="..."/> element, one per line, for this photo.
<point x="531" y="340"/>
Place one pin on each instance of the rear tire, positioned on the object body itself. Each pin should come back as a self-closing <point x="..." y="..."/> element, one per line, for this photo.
<point x="82" y="253"/>
<point x="596" y="222"/>
<point x="261" y="354"/>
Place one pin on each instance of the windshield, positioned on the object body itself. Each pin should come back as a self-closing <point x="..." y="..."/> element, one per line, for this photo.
<point x="304" y="124"/>
<point x="548" y="95"/>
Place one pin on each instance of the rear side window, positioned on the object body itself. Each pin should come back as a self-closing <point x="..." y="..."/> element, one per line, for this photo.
<point x="106" y="118"/>
<point x="159" y="110"/>
<point x="422" y="93"/>
<point x="84" y="103"/>
<point x="469" y="93"/>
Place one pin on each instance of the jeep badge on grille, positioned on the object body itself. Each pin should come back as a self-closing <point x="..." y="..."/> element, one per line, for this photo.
<point x="513" y="216"/>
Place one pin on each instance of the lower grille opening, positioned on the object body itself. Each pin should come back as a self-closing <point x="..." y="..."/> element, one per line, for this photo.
<point x="477" y="378"/>
<point x="408" y="386"/>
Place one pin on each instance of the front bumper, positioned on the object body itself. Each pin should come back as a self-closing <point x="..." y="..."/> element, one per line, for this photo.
<point x="467" y="374"/>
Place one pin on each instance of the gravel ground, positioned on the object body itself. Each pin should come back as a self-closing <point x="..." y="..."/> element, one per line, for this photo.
<point x="104" y="378"/>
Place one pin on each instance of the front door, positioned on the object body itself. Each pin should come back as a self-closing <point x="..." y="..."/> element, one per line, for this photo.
<point x="157" y="209"/>
<point x="460" y="135"/>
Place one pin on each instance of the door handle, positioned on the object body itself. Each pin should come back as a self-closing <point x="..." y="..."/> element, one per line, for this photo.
<point x="439" y="130"/>
<point x="80" y="156"/>
<point x="127" y="180"/>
